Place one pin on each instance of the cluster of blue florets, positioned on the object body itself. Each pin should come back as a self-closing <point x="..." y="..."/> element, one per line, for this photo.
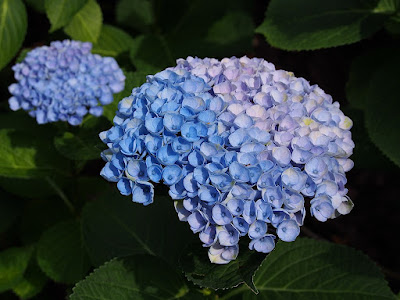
<point x="239" y="144"/>
<point x="64" y="82"/>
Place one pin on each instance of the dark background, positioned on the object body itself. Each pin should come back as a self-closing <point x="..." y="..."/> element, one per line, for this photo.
<point x="372" y="227"/>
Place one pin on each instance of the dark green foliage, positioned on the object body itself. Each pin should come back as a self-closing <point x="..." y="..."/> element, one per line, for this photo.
<point x="61" y="253"/>
<point x="13" y="263"/>
<point x="313" y="24"/>
<point x="115" y="226"/>
<point x="13" y="27"/>
<point x="132" y="277"/>
<point x="199" y="270"/>
<point x="58" y="217"/>
<point x="309" y="269"/>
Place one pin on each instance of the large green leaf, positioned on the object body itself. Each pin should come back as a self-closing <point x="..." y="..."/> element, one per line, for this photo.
<point x="226" y="29"/>
<point x="315" y="24"/>
<point x="13" y="25"/>
<point x="60" y="12"/>
<point x="221" y="33"/>
<point x="151" y="54"/>
<point x="25" y="150"/>
<point x="112" y="41"/>
<point x="115" y="226"/>
<point x="38" y="5"/>
<point x="134" y="277"/>
<point x="83" y="146"/>
<point x="309" y="269"/>
<point x="61" y="253"/>
<point x="13" y="263"/>
<point x="366" y="154"/>
<point x="86" y="24"/>
<point x="198" y="268"/>
<point x="10" y="209"/>
<point x="362" y="70"/>
<point x="39" y="215"/>
<point x="382" y="110"/>
<point x="32" y="282"/>
<point x="133" y="79"/>
<point x="136" y="14"/>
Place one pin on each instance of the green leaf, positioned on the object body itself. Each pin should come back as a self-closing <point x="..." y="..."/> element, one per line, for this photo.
<point x="83" y="146"/>
<point x="33" y="187"/>
<point x="133" y="79"/>
<point x="220" y="33"/>
<point x="84" y="142"/>
<point x="309" y="269"/>
<point x="13" y="263"/>
<point x="32" y="282"/>
<point x="151" y="54"/>
<point x="22" y="55"/>
<point x="37" y="5"/>
<point x="366" y="155"/>
<point x="382" y="110"/>
<point x="116" y="226"/>
<point x="39" y="215"/>
<point x="61" y="253"/>
<point x="226" y="29"/>
<point x="86" y="24"/>
<point x="60" y="12"/>
<point x="25" y="151"/>
<point x="10" y="209"/>
<point x="362" y="70"/>
<point x="112" y="41"/>
<point x="136" y="14"/>
<point x="13" y="26"/>
<point x="133" y="277"/>
<point x="201" y="271"/>
<point x="314" y="24"/>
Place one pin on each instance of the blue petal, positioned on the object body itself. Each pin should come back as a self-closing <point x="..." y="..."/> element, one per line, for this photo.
<point x="154" y="125"/>
<point x="235" y="206"/>
<point x="173" y="121"/>
<point x="264" y="244"/>
<point x="153" y="143"/>
<point x="263" y="210"/>
<point x="183" y="214"/>
<point x="241" y="225"/>
<point x="208" y="194"/>
<point x="257" y="229"/>
<point x="228" y="235"/>
<point x="221" y="215"/>
<point x="143" y="192"/>
<point x="239" y="172"/>
<point x="288" y="230"/>
<point x="155" y="173"/>
<point x="167" y="156"/>
<point x="196" y="159"/>
<point x="180" y="145"/>
<point x="196" y="221"/>
<point x="124" y="186"/>
<point x="208" y="236"/>
<point x="171" y="174"/>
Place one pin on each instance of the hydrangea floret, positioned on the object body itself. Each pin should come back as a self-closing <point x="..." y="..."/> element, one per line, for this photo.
<point x="64" y="82"/>
<point x="240" y="145"/>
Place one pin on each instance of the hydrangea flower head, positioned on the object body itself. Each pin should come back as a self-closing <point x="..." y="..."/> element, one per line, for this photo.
<point x="64" y="82"/>
<point x="241" y="147"/>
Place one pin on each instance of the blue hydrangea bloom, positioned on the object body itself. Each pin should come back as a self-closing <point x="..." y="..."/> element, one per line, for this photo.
<point x="240" y="145"/>
<point x="64" y="82"/>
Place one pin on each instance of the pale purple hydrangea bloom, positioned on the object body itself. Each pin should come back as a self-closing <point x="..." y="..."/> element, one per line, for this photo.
<point x="64" y="82"/>
<point x="240" y="145"/>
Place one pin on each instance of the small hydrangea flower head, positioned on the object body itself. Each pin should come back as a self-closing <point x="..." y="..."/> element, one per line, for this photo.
<point x="64" y="82"/>
<point x="241" y="146"/>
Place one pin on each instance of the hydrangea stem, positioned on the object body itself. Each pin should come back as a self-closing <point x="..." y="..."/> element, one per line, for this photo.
<point x="61" y="194"/>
